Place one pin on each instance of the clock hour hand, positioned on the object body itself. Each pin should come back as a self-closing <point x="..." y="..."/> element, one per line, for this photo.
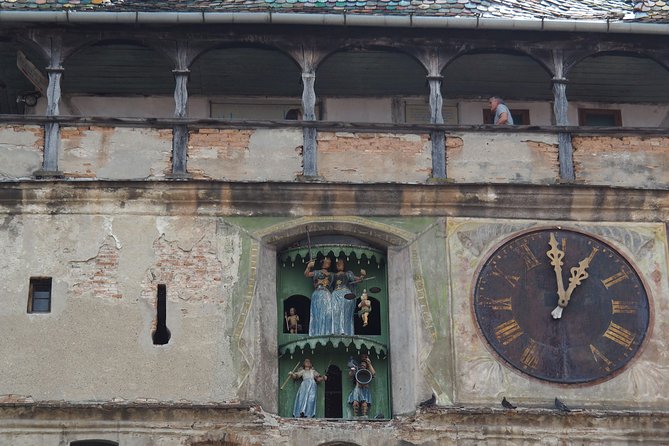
<point x="578" y="275"/>
<point x="556" y="255"/>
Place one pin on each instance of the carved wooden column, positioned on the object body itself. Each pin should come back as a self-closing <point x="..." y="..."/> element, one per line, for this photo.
<point x="179" y="131"/>
<point x="560" y="108"/>
<point x="309" y="152"/>
<point x="438" y="137"/>
<point x="52" y="129"/>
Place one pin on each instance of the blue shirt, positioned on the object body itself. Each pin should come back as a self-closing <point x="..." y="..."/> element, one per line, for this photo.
<point x="501" y="108"/>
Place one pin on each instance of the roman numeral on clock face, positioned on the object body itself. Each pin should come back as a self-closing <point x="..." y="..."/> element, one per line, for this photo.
<point x="622" y="307"/>
<point x="511" y="279"/>
<point x="508" y="332"/>
<point x="528" y="256"/>
<point x="530" y="356"/>
<point x="616" y="278"/>
<point x="501" y="304"/>
<point x="619" y="335"/>
<point x="601" y="360"/>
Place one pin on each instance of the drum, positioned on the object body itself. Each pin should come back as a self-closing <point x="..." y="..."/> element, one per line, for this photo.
<point x="363" y="376"/>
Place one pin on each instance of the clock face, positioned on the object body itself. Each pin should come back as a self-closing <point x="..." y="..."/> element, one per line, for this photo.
<point x="604" y="306"/>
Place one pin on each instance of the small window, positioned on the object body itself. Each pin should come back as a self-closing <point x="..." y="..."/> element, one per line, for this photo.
<point x="39" y="300"/>
<point x="520" y="117"/>
<point x="598" y="117"/>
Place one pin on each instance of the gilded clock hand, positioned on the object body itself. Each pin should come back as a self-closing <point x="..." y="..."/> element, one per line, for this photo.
<point x="556" y="255"/>
<point x="578" y="274"/>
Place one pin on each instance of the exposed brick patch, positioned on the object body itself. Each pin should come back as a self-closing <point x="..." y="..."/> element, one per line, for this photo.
<point x="632" y="161"/>
<point x="11" y="398"/>
<point x="621" y="143"/>
<point x="216" y="144"/>
<point x="98" y="276"/>
<point x="331" y="142"/>
<point x="454" y="142"/>
<point x="36" y="130"/>
<point x="223" y="141"/>
<point x="192" y="275"/>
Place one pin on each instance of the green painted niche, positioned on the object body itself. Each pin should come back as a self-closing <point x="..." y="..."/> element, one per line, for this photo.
<point x="331" y="354"/>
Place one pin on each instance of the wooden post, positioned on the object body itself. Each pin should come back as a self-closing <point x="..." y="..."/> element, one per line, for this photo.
<point x="309" y="148"/>
<point x="52" y="129"/>
<point x="560" y="108"/>
<point x="438" y="137"/>
<point x="180" y="132"/>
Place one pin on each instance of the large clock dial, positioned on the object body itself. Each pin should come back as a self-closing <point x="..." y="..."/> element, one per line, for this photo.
<point x="561" y="306"/>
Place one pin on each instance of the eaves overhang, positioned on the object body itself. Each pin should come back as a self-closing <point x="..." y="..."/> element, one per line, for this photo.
<point x="329" y="19"/>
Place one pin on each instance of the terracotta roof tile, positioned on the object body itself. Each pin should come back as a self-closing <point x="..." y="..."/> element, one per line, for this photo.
<point x="632" y="10"/>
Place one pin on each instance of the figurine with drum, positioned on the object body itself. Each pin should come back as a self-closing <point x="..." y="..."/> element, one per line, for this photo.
<point x="362" y="373"/>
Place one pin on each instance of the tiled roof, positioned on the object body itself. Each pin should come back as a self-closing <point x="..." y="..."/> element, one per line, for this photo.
<point x="640" y="10"/>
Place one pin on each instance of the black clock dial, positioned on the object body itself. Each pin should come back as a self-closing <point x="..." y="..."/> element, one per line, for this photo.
<point x="604" y="317"/>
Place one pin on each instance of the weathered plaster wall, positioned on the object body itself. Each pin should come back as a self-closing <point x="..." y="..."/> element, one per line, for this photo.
<point x="480" y="378"/>
<point x="115" y="153"/>
<point x="96" y="343"/>
<point x="374" y="157"/>
<point x="626" y="161"/>
<point x="502" y="158"/>
<point x="20" y="150"/>
<point x="245" y="155"/>
<point x="358" y="109"/>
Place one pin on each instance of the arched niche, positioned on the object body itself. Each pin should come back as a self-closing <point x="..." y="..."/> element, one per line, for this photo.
<point x="118" y="67"/>
<point x="245" y="71"/>
<point x="342" y="339"/>
<point x="484" y="73"/>
<point x="258" y="338"/>
<point x="370" y="85"/>
<point x="370" y="72"/>
<point x="618" y="77"/>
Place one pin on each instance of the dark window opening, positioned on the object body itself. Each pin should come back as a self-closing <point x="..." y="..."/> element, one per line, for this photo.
<point x="161" y="335"/>
<point x="520" y="117"/>
<point x="39" y="299"/>
<point x="373" y="327"/>
<point x="599" y="117"/>
<point x="333" y="393"/>
<point x="302" y="306"/>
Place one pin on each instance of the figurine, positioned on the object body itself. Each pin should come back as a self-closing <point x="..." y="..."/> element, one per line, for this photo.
<point x="292" y="321"/>
<point x="365" y="306"/>
<point x="360" y="397"/>
<point x="305" y="400"/>
<point x="320" y="322"/>
<point x="343" y="298"/>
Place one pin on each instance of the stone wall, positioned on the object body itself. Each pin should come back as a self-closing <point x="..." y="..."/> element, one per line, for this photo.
<point x="21" y="148"/>
<point x="245" y="155"/>
<point x="374" y="157"/>
<point x="624" y="161"/>
<point x="115" y="152"/>
<point x="502" y="158"/>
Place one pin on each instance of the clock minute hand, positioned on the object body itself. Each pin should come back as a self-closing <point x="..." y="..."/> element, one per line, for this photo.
<point x="556" y="255"/>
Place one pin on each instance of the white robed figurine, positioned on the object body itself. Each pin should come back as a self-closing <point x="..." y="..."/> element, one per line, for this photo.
<point x="305" y="400"/>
